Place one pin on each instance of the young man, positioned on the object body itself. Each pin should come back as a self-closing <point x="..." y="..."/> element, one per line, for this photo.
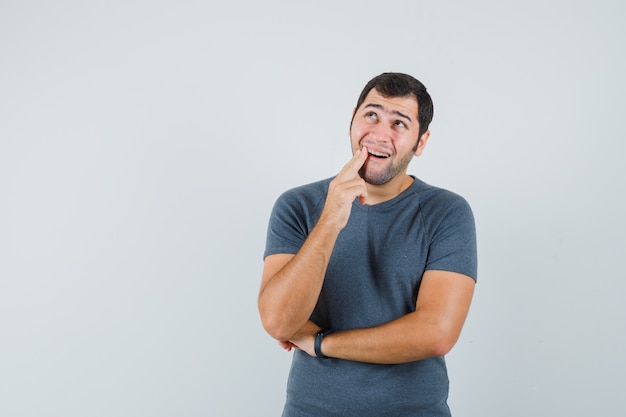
<point x="369" y="275"/>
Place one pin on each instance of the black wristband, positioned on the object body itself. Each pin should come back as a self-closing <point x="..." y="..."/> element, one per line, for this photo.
<point x="317" y="346"/>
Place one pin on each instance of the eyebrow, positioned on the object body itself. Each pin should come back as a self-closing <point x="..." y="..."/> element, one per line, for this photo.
<point x="396" y="112"/>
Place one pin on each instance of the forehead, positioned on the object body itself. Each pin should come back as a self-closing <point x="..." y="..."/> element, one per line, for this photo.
<point x="406" y="105"/>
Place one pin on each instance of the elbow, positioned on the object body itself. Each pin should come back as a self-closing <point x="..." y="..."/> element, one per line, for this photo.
<point x="276" y="326"/>
<point x="277" y="331"/>
<point x="275" y="320"/>
<point x="442" y="347"/>
<point x="442" y="342"/>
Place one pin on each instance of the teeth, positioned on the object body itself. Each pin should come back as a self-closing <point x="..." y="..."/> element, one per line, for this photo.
<point x="379" y="154"/>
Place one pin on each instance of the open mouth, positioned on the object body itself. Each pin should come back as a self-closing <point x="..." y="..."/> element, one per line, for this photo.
<point x="378" y="154"/>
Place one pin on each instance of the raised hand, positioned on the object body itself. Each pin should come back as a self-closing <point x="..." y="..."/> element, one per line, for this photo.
<point x="342" y="191"/>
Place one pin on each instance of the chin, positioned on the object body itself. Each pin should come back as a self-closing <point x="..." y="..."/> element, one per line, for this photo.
<point x="375" y="178"/>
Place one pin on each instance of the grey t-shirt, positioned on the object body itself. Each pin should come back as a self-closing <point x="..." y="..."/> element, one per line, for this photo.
<point x="373" y="277"/>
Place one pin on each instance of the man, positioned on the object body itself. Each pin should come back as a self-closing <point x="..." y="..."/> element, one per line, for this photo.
<point x="369" y="275"/>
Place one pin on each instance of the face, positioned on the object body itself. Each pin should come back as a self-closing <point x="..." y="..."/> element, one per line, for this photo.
<point x="388" y="127"/>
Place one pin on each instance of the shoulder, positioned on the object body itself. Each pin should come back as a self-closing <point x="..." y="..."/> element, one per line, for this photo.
<point x="302" y="203"/>
<point x="438" y="198"/>
<point x="313" y="188"/>
<point x="308" y="194"/>
<point x="441" y="206"/>
<point x="449" y="223"/>
<point x="294" y="214"/>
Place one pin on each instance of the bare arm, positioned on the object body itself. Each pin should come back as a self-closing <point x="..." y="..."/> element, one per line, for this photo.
<point x="432" y="330"/>
<point x="291" y="284"/>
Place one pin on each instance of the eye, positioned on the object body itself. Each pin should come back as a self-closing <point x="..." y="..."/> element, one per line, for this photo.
<point x="371" y="115"/>
<point x="399" y="123"/>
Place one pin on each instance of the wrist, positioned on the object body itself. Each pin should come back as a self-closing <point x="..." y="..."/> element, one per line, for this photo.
<point x="329" y="225"/>
<point x="319" y="338"/>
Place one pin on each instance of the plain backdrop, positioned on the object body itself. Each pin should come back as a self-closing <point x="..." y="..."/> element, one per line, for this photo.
<point x="143" y="144"/>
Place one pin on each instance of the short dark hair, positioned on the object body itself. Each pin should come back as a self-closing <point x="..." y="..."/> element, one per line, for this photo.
<point x="395" y="84"/>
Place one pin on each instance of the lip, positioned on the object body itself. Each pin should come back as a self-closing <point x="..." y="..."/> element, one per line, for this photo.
<point x="374" y="150"/>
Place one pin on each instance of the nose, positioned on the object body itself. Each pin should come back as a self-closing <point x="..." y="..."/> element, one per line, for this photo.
<point x="380" y="133"/>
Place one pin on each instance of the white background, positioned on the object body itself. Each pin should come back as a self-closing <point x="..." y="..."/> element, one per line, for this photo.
<point x="143" y="144"/>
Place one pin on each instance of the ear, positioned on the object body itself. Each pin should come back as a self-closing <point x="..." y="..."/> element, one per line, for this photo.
<point x="422" y="144"/>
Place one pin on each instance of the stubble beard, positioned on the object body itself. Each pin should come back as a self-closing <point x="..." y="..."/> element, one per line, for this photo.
<point x="387" y="174"/>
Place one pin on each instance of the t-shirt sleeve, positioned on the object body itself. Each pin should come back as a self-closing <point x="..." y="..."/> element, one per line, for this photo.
<point x="287" y="228"/>
<point x="453" y="246"/>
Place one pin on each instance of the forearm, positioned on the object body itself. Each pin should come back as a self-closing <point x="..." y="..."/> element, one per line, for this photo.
<point x="287" y="298"/>
<point x="406" y="339"/>
<point x="291" y="285"/>
<point x="431" y="330"/>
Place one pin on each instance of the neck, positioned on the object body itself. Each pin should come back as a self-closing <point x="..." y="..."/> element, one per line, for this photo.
<point x="377" y="194"/>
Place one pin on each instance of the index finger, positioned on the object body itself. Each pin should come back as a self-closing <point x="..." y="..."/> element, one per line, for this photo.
<point x="356" y="162"/>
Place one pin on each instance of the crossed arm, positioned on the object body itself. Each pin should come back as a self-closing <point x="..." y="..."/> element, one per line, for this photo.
<point x="431" y="330"/>
<point x="291" y="284"/>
